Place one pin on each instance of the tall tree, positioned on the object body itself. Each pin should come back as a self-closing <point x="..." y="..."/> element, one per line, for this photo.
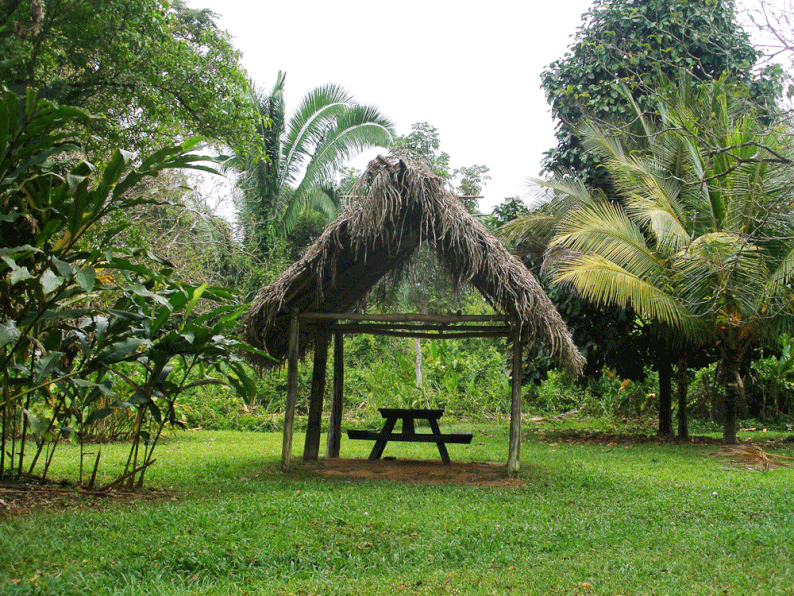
<point x="636" y="43"/>
<point x="293" y="163"/>
<point x="424" y="141"/>
<point x="158" y="70"/>
<point x="703" y="239"/>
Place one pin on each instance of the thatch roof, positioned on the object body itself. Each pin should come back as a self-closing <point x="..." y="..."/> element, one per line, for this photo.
<point x="404" y="205"/>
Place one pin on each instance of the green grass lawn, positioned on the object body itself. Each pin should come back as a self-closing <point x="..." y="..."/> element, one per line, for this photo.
<point x="589" y="519"/>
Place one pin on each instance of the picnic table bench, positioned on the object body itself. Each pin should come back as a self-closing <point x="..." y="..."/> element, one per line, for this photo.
<point x="408" y="432"/>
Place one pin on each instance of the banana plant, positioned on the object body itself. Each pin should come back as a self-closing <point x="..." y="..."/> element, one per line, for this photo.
<point x="81" y="319"/>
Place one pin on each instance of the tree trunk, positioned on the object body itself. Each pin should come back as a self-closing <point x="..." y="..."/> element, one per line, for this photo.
<point x="733" y="389"/>
<point x="683" y="388"/>
<point x="665" y="396"/>
<point x="514" y="447"/>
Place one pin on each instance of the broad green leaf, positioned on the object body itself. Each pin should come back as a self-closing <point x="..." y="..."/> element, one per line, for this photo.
<point x="50" y="281"/>
<point x="156" y="414"/>
<point x="139" y="290"/>
<point x="46" y="366"/>
<point x="197" y="292"/>
<point x="8" y="333"/>
<point x="163" y="375"/>
<point x="110" y="177"/>
<point x="98" y="415"/>
<point x="18" y="251"/>
<point x="244" y="385"/>
<point x="33" y="423"/>
<point x="86" y="278"/>
<point x="20" y="274"/>
<point x="121" y="350"/>
<point x="139" y="398"/>
<point x="64" y="268"/>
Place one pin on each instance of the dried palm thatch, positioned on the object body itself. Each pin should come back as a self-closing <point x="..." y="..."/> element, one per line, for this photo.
<point x="752" y="456"/>
<point x="402" y="205"/>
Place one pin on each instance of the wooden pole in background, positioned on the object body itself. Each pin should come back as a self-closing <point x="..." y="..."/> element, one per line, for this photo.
<point x="292" y="390"/>
<point x="514" y="455"/>
<point x="335" y="421"/>
<point x="311" y="447"/>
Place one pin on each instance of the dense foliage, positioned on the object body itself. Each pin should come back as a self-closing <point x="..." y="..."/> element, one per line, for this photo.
<point x="702" y="240"/>
<point x="637" y="44"/>
<point x="114" y="275"/>
<point x="624" y="53"/>
<point x="158" y="71"/>
<point x="89" y="330"/>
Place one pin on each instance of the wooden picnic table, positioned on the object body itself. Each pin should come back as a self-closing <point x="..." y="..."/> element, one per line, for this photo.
<point x="408" y="431"/>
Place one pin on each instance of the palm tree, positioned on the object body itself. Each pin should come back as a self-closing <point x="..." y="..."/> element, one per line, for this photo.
<point x="295" y="160"/>
<point x="702" y="239"/>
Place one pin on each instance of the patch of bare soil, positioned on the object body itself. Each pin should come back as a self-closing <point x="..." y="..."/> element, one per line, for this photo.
<point x="22" y="498"/>
<point x="411" y="471"/>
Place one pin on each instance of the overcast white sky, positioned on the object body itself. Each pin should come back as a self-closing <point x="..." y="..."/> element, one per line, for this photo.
<point x="471" y="69"/>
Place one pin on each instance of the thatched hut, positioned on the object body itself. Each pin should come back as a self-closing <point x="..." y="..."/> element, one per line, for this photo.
<point x="402" y="205"/>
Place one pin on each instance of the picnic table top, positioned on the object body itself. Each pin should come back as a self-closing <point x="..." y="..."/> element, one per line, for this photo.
<point x="411" y="413"/>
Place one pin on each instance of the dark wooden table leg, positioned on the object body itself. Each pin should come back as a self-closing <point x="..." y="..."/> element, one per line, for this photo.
<point x="442" y="448"/>
<point x="380" y="444"/>
<point x="408" y="426"/>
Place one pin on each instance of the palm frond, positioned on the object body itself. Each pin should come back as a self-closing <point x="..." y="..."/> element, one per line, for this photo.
<point x="723" y="272"/>
<point x="603" y="282"/>
<point x="606" y="230"/>
<point x="754" y="457"/>
<point x="308" y="125"/>
<point x="530" y="234"/>
<point x="782" y="276"/>
<point x="601" y="141"/>
<point x="569" y="190"/>
<point x="351" y="131"/>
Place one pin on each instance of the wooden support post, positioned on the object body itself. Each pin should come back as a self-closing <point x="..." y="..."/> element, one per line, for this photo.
<point x="311" y="448"/>
<point x="292" y="390"/>
<point x="335" y="420"/>
<point x="514" y="455"/>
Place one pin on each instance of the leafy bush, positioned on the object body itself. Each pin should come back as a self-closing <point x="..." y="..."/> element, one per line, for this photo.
<point x="88" y="330"/>
<point x="770" y="385"/>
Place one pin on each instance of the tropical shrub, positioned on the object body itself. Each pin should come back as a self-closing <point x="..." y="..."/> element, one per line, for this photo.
<point x="770" y="385"/>
<point x="86" y="329"/>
